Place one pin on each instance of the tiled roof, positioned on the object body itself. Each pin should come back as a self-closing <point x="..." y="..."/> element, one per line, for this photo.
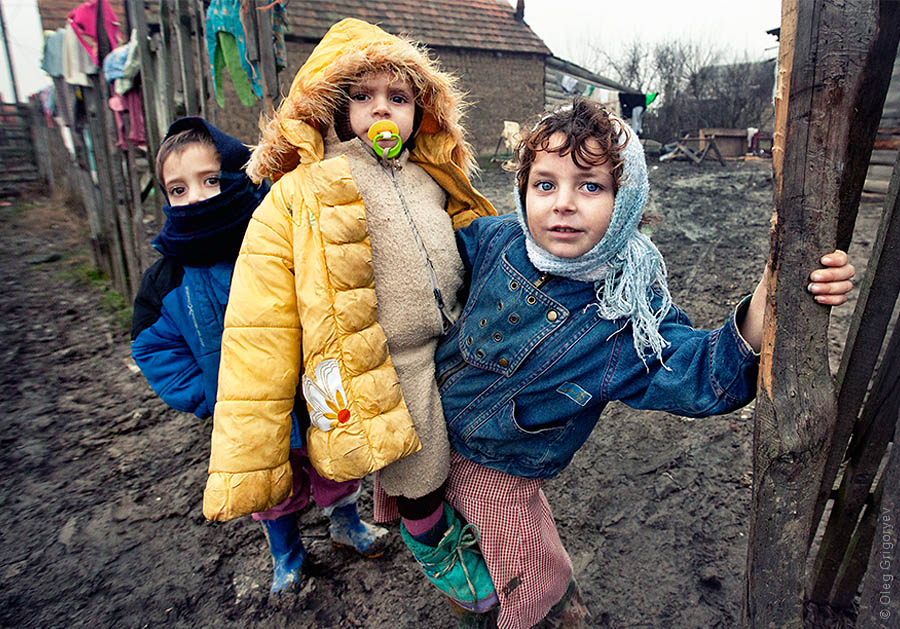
<point x="481" y="24"/>
<point x="54" y="12"/>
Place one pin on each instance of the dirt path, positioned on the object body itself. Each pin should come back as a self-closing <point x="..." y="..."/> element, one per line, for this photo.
<point x="101" y="523"/>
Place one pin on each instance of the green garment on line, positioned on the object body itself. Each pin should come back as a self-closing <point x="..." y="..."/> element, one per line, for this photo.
<point x="228" y="56"/>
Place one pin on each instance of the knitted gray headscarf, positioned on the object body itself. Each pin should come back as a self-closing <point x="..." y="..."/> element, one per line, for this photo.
<point x="624" y="266"/>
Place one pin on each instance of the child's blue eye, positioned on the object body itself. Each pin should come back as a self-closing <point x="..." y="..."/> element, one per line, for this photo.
<point x="592" y="187"/>
<point x="544" y="186"/>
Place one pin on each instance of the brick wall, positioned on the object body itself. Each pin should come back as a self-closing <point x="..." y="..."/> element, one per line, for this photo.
<point x="500" y="86"/>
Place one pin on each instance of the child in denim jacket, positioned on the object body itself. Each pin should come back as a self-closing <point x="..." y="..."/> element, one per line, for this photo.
<point x="568" y="309"/>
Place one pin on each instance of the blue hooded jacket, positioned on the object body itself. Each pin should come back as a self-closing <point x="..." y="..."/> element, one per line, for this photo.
<point x="179" y="311"/>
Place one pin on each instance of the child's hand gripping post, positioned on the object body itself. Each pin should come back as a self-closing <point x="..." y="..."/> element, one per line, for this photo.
<point x="385" y="131"/>
<point x="829" y="285"/>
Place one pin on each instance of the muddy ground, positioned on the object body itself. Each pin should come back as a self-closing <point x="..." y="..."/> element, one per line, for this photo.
<point x="100" y="492"/>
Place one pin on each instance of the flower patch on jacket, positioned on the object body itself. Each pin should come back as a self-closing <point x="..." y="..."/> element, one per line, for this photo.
<point x="325" y="396"/>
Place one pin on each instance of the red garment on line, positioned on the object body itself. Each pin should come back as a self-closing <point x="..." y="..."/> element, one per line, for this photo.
<point x="83" y="19"/>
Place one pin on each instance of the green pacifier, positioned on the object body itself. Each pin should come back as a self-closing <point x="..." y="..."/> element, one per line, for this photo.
<point x="385" y="130"/>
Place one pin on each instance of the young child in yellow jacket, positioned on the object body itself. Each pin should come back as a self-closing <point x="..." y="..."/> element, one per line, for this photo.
<point x="347" y="277"/>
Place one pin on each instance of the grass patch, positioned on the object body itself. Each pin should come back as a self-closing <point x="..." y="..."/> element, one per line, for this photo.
<point x="113" y="301"/>
<point x="15" y="209"/>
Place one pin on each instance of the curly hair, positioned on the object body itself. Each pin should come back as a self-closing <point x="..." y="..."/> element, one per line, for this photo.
<point x="593" y="136"/>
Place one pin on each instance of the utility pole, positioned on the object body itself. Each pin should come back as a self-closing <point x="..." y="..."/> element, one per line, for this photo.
<point x="9" y="63"/>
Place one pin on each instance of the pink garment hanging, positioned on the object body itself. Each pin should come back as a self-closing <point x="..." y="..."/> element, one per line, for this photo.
<point x="83" y="19"/>
<point x="131" y="103"/>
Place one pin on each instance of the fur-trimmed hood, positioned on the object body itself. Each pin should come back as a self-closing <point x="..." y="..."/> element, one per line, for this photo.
<point x="351" y="48"/>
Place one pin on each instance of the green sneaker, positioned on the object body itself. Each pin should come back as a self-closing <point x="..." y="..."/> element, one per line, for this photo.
<point x="456" y="566"/>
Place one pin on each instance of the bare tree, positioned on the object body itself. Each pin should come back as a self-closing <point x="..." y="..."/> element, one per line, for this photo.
<point x="699" y="85"/>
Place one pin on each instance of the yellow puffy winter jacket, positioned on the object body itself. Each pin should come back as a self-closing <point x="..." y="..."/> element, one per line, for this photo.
<point x="303" y="295"/>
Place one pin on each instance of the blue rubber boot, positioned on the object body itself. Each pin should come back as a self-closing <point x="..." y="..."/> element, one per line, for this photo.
<point x="347" y="529"/>
<point x="287" y="553"/>
<point x="455" y="566"/>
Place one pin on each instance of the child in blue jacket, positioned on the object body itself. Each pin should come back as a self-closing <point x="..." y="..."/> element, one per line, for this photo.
<point x="568" y="309"/>
<point x="178" y="320"/>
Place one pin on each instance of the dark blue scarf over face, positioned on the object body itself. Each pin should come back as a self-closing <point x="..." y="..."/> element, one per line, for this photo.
<point x="211" y="231"/>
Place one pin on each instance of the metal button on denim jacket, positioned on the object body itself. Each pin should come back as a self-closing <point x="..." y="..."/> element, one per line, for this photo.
<point x="528" y="368"/>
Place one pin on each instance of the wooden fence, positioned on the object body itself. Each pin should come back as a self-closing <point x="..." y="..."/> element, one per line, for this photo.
<point x="116" y="186"/>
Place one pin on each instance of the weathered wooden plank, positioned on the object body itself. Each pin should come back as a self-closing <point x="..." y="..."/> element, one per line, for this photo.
<point x="207" y="95"/>
<point x="148" y="82"/>
<point x="879" y="603"/>
<point x="268" y="71"/>
<point x="149" y="90"/>
<point x="121" y="208"/>
<point x="836" y="43"/>
<point x="874" y="306"/>
<point x="88" y="191"/>
<point x="856" y="560"/>
<point x="113" y="262"/>
<point x="871" y="436"/>
<point x="41" y="142"/>
<point x="165" y="54"/>
<point x="883" y="157"/>
<point x="782" y="83"/>
<point x="184" y="35"/>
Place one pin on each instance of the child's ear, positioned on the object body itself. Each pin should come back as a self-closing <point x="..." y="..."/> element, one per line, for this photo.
<point x="429" y="124"/>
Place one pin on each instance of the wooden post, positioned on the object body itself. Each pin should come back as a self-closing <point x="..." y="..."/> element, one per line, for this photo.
<point x="114" y="265"/>
<point x="207" y="97"/>
<point x="268" y="71"/>
<point x="184" y="37"/>
<point x="864" y="341"/>
<point x="796" y="406"/>
<point x="149" y="90"/>
<point x="164" y="54"/>
<point x="148" y="80"/>
<point x="88" y="192"/>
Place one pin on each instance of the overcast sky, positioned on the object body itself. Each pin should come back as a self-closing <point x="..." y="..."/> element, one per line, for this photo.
<point x="566" y="26"/>
<point x="734" y="26"/>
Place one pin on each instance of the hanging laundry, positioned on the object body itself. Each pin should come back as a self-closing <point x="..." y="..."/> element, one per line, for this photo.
<point x="122" y="65"/>
<point x="568" y="83"/>
<point x="52" y="63"/>
<point x="83" y="19"/>
<point x="76" y="62"/>
<point x="227" y="47"/>
<point x="48" y="104"/>
<point x="131" y="103"/>
<point x="629" y="101"/>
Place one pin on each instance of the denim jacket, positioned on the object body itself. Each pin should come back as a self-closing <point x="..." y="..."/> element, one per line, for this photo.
<point x="529" y="366"/>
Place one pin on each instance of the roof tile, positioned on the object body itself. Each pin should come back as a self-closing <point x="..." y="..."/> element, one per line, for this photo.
<point x="481" y="24"/>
